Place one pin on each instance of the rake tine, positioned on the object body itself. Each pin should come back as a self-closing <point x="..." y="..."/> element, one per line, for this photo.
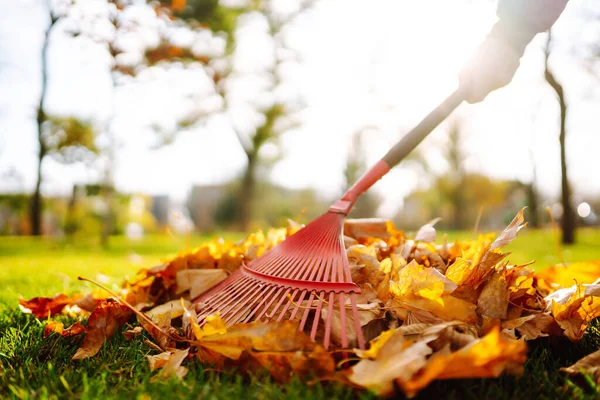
<point x="299" y="305"/>
<point x="317" y="318"/>
<point x="328" y="321"/>
<point x="359" y="334"/>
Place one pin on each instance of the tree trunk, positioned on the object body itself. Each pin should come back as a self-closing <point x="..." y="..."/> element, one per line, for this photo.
<point x="246" y="196"/>
<point x="568" y="217"/>
<point x="36" y="199"/>
<point x="533" y="203"/>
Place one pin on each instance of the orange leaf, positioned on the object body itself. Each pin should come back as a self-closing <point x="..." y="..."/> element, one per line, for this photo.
<point x="104" y="322"/>
<point x="579" y="272"/>
<point x="42" y="307"/>
<point x="487" y="357"/>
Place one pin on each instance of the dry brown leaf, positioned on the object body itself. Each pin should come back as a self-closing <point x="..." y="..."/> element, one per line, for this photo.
<point x="172" y="368"/>
<point x="366" y="314"/>
<point x="542" y="324"/>
<point x="366" y="228"/>
<point x="589" y="365"/>
<point x="450" y="309"/>
<point x="396" y="359"/>
<point x="104" y="322"/>
<point x="493" y="300"/>
<point x="510" y="232"/>
<point x="284" y="366"/>
<point x="44" y="307"/>
<point x="160" y="336"/>
<point x="158" y="361"/>
<point x="257" y="336"/>
<point x="174" y="308"/>
<point x="132" y="333"/>
<point x="198" y="281"/>
<point x="58" y="327"/>
<point x="575" y="307"/>
<point x="484" y="358"/>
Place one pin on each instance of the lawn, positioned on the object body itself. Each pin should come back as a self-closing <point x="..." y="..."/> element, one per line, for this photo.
<point x="31" y="367"/>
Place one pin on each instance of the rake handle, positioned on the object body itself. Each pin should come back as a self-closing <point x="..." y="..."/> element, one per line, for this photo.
<point x="399" y="151"/>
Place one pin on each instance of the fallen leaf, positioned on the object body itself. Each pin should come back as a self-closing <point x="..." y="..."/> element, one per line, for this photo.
<point x="574" y="313"/>
<point x="396" y="359"/>
<point x="158" y="361"/>
<point x="44" y="307"/>
<point x="427" y="232"/>
<point x="493" y="300"/>
<point x="108" y="316"/>
<point x="172" y="367"/>
<point x="366" y="314"/>
<point x="52" y="327"/>
<point x="416" y="281"/>
<point x="540" y="325"/>
<point x="579" y="272"/>
<point x="589" y="365"/>
<point x="366" y="228"/>
<point x="510" y="232"/>
<point x="174" y="308"/>
<point x="487" y="357"/>
<point x="132" y="333"/>
<point x="160" y="336"/>
<point x="198" y="281"/>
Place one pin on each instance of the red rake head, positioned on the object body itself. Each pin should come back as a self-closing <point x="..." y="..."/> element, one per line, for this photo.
<point x="294" y="280"/>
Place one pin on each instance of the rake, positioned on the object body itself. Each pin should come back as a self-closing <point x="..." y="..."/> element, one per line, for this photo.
<point x="311" y="266"/>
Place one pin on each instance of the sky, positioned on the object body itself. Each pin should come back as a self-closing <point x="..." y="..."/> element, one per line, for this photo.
<point x="384" y="63"/>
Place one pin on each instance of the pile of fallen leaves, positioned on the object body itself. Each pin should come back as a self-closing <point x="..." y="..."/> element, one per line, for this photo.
<point x="431" y="311"/>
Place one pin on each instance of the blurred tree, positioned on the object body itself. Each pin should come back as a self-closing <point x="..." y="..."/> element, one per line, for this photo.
<point x="568" y="220"/>
<point x="356" y="165"/>
<point x="276" y="114"/>
<point x="36" y="199"/>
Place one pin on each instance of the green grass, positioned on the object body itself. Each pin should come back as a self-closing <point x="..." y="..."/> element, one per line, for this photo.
<point x="31" y="367"/>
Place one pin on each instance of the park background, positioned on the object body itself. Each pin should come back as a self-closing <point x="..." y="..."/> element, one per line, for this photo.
<point x="128" y="128"/>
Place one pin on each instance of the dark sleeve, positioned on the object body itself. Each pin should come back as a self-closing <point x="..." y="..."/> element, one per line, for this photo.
<point x="520" y="20"/>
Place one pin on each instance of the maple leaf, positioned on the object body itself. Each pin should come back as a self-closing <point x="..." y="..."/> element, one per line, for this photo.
<point x="44" y="307"/>
<point x="575" y="307"/>
<point x="108" y="316"/>
<point x="58" y="327"/>
<point x="279" y="347"/>
<point x="395" y="358"/>
<point x="416" y="281"/>
<point x="493" y="300"/>
<point x="579" y="272"/>
<point x="487" y="357"/>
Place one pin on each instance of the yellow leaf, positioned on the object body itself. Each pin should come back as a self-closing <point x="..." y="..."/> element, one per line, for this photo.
<point x="375" y="345"/>
<point x="459" y="271"/>
<point x="415" y="281"/>
<point x="574" y="308"/>
<point x="579" y="272"/>
<point x="484" y="358"/>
